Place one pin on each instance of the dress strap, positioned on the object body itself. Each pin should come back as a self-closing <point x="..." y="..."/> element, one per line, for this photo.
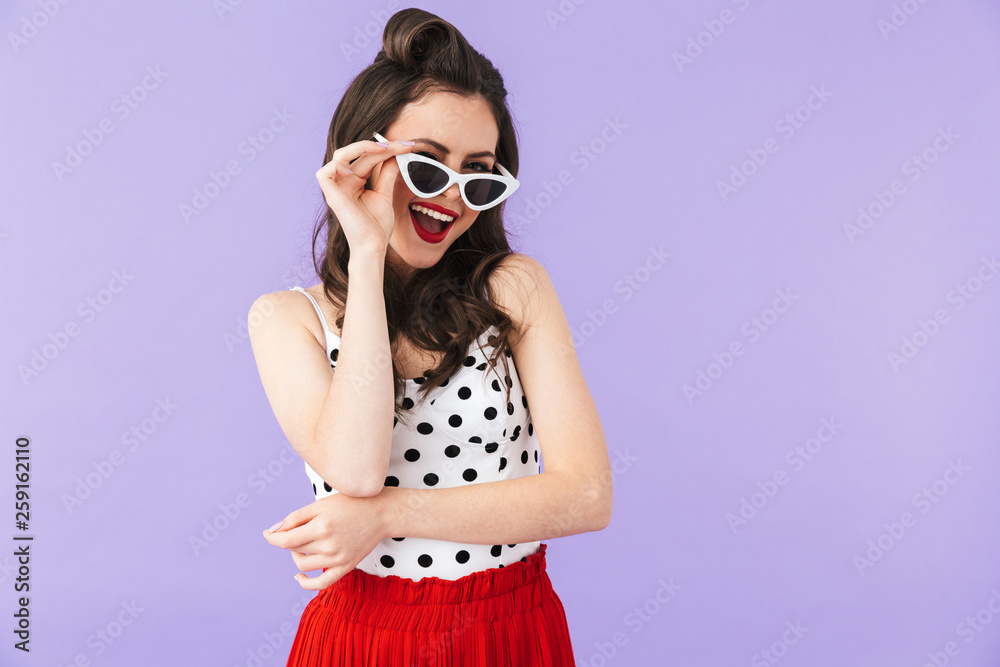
<point x="319" y="311"/>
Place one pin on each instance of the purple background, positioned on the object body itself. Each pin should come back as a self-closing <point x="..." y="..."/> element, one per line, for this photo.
<point x="662" y="137"/>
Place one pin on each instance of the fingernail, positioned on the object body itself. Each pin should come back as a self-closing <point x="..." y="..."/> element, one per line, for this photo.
<point x="275" y="526"/>
<point x="406" y="143"/>
<point x="382" y="143"/>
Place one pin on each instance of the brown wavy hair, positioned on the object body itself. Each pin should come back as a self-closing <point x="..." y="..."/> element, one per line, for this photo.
<point x="445" y="307"/>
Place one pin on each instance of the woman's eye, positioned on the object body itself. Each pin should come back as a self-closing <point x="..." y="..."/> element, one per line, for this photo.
<point x="475" y="166"/>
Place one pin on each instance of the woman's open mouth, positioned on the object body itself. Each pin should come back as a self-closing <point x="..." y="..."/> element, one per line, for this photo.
<point x="431" y="226"/>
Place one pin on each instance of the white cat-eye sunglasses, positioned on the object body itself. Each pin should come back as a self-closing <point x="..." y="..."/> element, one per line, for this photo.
<point x="428" y="178"/>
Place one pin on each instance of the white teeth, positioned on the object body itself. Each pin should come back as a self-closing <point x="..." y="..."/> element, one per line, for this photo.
<point x="433" y="214"/>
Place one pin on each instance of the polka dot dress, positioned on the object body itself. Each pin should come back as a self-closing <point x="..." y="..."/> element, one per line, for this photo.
<point x="464" y="432"/>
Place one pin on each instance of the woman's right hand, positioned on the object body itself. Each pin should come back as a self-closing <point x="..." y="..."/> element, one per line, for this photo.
<point x="366" y="216"/>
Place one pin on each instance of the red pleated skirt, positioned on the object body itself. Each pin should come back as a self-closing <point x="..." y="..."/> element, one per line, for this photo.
<point x="493" y="618"/>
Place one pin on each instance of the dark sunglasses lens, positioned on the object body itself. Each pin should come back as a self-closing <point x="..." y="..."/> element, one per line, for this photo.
<point x="483" y="191"/>
<point x="426" y="177"/>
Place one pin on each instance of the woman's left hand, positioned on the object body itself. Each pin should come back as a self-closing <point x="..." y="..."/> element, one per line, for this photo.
<point x="335" y="532"/>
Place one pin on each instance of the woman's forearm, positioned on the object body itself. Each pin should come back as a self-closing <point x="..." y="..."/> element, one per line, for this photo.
<point x="353" y="438"/>
<point x="536" y="507"/>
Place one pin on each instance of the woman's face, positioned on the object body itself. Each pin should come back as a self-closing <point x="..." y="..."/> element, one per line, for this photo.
<point x="449" y="128"/>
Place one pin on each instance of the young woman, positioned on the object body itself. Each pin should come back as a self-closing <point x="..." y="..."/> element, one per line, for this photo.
<point x="404" y="380"/>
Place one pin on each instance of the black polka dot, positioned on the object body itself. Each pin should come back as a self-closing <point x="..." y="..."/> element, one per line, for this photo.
<point x="424" y="428"/>
<point x="444" y="383"/>
<point x="391" y="481"/>
<point x="469" y="475"/>
<point x="334" y="353"/>
<point x="314" y="490"/>
<point x="531" y="429"/>
<point x="430" y="479"/>
<point x="395" y="420"/>
<point x="524" y="559"/>
<point x="505" y="433"/>
<point x="455" y="421"/>
<point x="503" y="462"/>
<point x="411" y="455"/>
<point x="501" y="564"/>
<point x="490" y="413"/>
<point x="399" y="539"/>
<point x="512" y="545"/>
<point x="481" y="367"/>
<point x="510" y="408"/>
<point x="387" y="561"/>
<point x="536" y="456"/>
<point x="491" y="447"/>
<point x="327" y="487"/>
<point x="475" y="439"/>
<point x="469" y="361"/>
<point x="462" y="556"/>
<point x="524" y="401"/>
<point x="495" y="551"/>
<point x="451" y="451"/>
<point x="418" y="380"/>
<point x="507" y="352"/>
<point x="524" y="456"/>
<point x="464" y="393"/>
<point x="408" y="403"/>
<point x="424" y="560"/>
<point x="509" y="382"/>
<point x="495" y="385"/>
<point x="517" y="432"/>
<point x="432" y="401"/>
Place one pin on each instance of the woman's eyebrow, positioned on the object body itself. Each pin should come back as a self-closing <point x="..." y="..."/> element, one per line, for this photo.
<point x="446" y="151"/>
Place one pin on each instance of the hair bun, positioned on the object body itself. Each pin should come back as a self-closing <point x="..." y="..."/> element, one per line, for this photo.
<point x="420" y="41"/>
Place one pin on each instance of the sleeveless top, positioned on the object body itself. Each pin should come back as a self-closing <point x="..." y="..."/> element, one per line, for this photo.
<point x="463" y="432"/>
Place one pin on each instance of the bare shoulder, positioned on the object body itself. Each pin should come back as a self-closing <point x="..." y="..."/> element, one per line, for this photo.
<point x="277" y="312"/>
<point x="523" y="288"/>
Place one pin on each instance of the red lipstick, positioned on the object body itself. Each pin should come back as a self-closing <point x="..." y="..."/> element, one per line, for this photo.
<point x="426" y="235"/>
